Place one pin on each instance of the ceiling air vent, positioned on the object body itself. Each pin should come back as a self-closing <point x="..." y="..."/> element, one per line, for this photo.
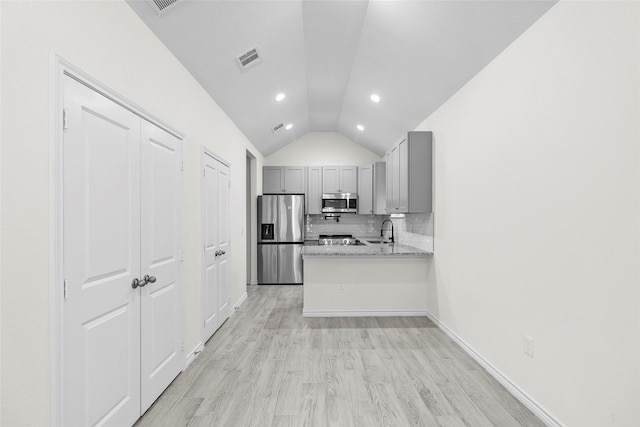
<point x="277" y="127"/>
<point x="249" y="59"/>
<point x="161" y="6"/>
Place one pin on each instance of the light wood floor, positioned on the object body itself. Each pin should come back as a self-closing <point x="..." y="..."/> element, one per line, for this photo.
<point x="269" y="366"/>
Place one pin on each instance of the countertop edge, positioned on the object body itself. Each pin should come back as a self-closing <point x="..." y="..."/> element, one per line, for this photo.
<point x="367" y="251"/>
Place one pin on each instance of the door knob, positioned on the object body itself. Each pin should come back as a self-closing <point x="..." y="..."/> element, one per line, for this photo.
<point x="144" y="282"/>
<point x="138" y="283"/>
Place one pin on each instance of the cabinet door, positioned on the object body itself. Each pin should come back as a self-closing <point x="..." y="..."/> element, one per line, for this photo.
<point x="272" y="179"/>
<point x="294" y="179"/>
<point x="379" y="188"/>
<point x="403" y="177"/>
<point x="395" y="181"/>
<point x="348" y="179"/>
<point x="314" y="190"/>
<point x="389" y="161"/>
<point x="365" y="189"/>
<point x="330" y="179"/>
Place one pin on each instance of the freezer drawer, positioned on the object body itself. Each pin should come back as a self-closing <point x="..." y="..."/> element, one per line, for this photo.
<point x="267" y="264"/>
<point x="290" y="263"/>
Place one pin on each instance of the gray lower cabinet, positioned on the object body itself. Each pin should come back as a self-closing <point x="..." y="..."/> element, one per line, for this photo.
<point x="409" y="174"/>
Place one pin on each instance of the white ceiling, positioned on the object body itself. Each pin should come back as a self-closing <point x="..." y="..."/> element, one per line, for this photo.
<point x="328" y="57"/>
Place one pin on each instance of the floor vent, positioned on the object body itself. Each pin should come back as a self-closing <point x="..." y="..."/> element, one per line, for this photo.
<point x="161" y="6"/>
<point x="249" y="59"/>
<point x="277" y="127"/>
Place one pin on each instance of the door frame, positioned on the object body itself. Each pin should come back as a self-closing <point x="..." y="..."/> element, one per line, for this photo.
<point x="59" y="69"/>
<point x="204" y="151"/>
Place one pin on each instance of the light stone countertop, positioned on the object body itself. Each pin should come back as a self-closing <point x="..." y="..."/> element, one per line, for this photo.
<point x="366" y="250"/>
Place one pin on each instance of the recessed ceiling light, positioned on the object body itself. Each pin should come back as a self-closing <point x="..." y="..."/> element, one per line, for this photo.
<point x="280" y="97"/>
<point x="375" y="98"/>
<point x="360" y="128"/>
<point x="289" y="126"/>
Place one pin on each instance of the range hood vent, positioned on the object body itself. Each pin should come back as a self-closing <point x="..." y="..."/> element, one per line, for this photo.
<point x="277" y="127"/>
<point x="249" y="59"/>
<point x="161" y="6"/>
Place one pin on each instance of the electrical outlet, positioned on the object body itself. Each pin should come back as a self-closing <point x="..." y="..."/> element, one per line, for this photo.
<point x="528" y="346"/>
<point x="341" y="286"/>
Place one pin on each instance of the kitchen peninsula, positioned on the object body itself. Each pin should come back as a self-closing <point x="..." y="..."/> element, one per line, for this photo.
<point x="372" y="279"/>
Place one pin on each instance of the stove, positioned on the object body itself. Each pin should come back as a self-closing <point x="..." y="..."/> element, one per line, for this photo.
<point x="337" y="239"/>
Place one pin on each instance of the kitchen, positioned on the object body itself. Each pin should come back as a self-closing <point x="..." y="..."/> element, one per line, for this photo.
<point x="535" y="195"/>
<point x="354" y="216"/>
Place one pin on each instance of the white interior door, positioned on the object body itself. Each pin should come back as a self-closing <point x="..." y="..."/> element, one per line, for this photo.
<point x="215" y="229"/>
<point x="161" y="315"/>
<point x="211" y="250"/>
<point x="101" y="313"/>
<point x="224" y="184"/>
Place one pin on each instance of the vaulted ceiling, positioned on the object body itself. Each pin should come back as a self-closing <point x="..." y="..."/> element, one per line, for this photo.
<point x="329" y="57"/>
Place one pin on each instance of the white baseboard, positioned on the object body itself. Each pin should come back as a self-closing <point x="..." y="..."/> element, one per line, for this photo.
<point x="516" y="391"/>
<point x="194" y="353"/>
<point x="242" y="299"/>
<point x="360" y="313"/>
<point x="253" y="282"/>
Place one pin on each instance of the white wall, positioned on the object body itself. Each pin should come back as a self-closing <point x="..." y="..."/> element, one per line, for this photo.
<point x="108" y="41"/>
<point x="537" y="212"/>
<point x="321" y="149"/>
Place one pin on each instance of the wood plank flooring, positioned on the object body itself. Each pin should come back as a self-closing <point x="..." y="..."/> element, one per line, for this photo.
<point x="269" y="366"/>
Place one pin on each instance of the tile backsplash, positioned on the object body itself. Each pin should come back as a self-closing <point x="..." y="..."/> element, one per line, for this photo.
<point x="358" y="225"/>
<point x="413" y="229"/>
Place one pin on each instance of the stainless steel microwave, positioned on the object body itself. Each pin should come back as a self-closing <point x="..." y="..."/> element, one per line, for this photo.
<point x="339" y="203"/>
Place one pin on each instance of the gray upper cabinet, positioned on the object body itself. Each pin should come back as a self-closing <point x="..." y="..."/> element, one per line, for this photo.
<point x="314" y="190"/>
<point x="372" y="189"/>
<point x="409" y="174"/>
<point x="272" y="179"/>
<point x="339" y="179"/>
<point x="284" y="179"/>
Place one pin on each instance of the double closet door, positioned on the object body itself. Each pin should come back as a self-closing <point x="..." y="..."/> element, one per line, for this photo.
<point x="122" y="311"/>
<point x="215" y="229"/>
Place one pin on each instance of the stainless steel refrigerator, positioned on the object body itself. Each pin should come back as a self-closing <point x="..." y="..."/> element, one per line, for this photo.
<point x="280" y="239"/>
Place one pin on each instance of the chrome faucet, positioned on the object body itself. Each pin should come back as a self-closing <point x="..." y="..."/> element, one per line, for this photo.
<point x="382" y="229"/>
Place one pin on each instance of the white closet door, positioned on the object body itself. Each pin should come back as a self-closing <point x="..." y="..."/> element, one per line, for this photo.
<point x="210" y="241"/>
<point x="161" y="315"/>
<point x="215" y="213"/>
<point x="101" y="312"/>
<point x="224" y="306"/>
